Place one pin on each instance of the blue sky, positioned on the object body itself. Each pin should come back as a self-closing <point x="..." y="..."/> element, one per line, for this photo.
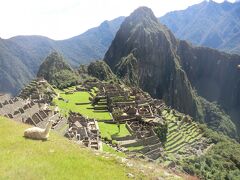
<point x="62" y="19"/>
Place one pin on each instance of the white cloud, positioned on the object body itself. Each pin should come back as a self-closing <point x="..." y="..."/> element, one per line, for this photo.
<point x="60" y="19"/>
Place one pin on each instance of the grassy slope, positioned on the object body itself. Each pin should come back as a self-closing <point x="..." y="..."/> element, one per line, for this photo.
<point x="59" y="158"/>
<point x="56" y="158"/>
<point x="109" y="149"/>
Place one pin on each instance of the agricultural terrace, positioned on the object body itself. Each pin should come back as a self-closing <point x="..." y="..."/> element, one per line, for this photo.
<point x="180" y="137"/>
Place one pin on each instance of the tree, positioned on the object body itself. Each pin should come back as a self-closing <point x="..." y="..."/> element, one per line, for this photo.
<point x="161" y="132"/>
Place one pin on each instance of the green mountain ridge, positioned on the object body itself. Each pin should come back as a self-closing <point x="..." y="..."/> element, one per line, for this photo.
<point x="21" y="56"/>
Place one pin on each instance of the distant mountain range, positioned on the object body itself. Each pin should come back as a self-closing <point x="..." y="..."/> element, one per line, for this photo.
<point x="21" y="56"/>
<point x="211" y="24"/>
<point x="207" y="24"/>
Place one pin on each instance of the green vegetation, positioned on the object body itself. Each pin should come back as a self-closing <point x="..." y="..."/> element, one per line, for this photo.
<point x="69" y="104"/>
<point x="109" y="149"/>
<point x="57" y="72"/>
<point x="126" y="69"/>
<point x="101" y="70"/>
<point x="162" y="131"/>
<point x="56" y="158"/>
<point x="217" y="119"/>
<point x="221" y="161"/>
<point x="135" y="148"/>
<point x="179" y="135"/>
<point x="111" y="130"/>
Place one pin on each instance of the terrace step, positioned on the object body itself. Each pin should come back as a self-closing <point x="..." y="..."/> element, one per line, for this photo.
<point x="154" y="156"/>
<point x="125" y="138"/>
<point x="174" y="141"/>
<point x="149" y="148"/>
<point x="100" y="108"/>
<point x="147" y="141"/>
<point x="176" y="148"/>
<point x="153" y="151"/>
<point x="125" y="143"/>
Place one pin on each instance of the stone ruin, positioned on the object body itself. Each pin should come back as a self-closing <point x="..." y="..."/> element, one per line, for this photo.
<point x="84" y="130"/>
<point x="38" y="91"/>
<point x="141" y="114"/>
<point x="142" y="134"/>
<point x="27" y="111"/>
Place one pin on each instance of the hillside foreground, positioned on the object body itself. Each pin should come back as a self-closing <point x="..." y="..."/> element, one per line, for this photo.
<point x="59" y="158"/>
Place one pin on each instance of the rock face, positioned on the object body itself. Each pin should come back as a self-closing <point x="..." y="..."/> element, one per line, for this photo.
<point x="147" y="53"/>
<point x="215" y="75"/>
<point x="56" y="71"/>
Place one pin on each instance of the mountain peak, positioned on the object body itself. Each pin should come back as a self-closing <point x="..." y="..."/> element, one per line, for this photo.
<point x="141" y="29"/>
<point x="56" y="71"/>
<point x="55" y="56"/>
<point x="142" y="20"/>
<point x="143" y="13"/>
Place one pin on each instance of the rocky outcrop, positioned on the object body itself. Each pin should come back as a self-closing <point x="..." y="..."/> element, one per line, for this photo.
<point x="127" y="69"/>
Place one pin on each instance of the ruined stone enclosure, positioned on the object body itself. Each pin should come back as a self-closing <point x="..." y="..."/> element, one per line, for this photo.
<point x="27" y="111"/>
<point x="84" y="130"/>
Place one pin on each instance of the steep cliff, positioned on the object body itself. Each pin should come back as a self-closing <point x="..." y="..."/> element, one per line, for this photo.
<point x="215" y="75"/>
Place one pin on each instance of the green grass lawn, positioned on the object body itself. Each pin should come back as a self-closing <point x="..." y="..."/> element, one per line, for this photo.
<point x="135" y="148"/>
<point x="109" y="130"/>
<point x="57" y="158"/>
<point x="86" y="109"/>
